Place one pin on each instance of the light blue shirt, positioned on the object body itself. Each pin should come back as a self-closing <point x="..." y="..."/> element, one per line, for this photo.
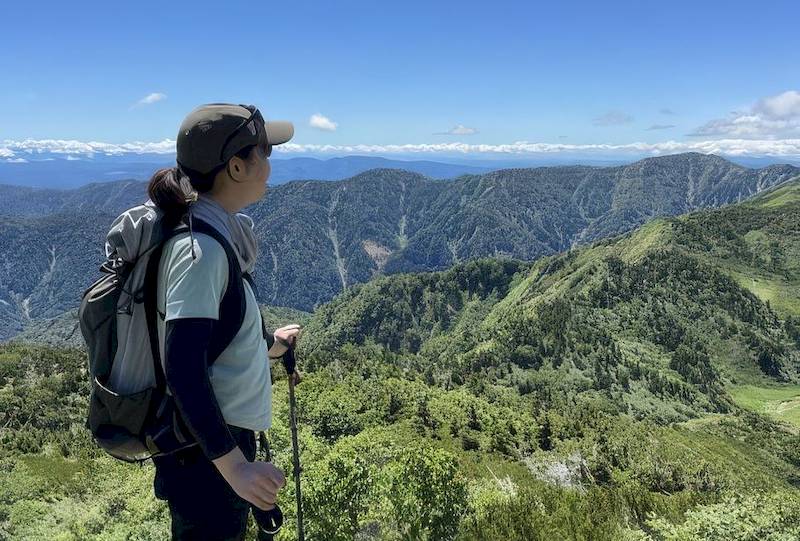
<point x="240" y="376"/>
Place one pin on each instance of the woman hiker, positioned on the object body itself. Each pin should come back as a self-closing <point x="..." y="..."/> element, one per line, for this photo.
<point x="223" y="165"/>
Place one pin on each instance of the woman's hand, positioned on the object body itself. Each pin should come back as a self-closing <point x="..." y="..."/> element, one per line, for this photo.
<point x="284" y="337"/>
<point x="256" y="482"/>
<point x="289" y="333"/>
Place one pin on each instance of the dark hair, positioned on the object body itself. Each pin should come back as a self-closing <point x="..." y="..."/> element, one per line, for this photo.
<point x="172" y="188"/>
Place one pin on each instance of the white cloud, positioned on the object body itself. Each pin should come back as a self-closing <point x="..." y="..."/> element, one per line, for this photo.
<point x="771" y="117"/>
<point x="660" y="127"/>
<point x="790" y="148"/>
<point x="612" y="118"/>
<point x="460" y="129"/>
<point x="731" y="147"/>
<point x="38" y="147"/>
<point x="152" y="98"/>
<point x="17" y="160"/>
<point x="321" y="122"/>
<point x="786" y="105"/>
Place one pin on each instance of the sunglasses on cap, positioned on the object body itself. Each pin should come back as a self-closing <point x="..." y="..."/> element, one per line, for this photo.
<point x="251" y="131"/>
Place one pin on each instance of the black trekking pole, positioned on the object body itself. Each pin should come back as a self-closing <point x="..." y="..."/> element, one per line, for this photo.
<point x="270" y="522"/>
<point x="289" y="364"/>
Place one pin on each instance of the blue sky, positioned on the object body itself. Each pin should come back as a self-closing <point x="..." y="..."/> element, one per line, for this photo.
<point x="408" y="73"/>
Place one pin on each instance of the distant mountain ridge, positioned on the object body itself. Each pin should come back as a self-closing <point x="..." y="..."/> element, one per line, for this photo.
<point x="319" y="238"/>
<point x="73" y="173"/>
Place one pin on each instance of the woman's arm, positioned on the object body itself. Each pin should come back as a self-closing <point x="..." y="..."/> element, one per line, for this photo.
<point x="186" y="368"/>
<point x="186" y="371"/>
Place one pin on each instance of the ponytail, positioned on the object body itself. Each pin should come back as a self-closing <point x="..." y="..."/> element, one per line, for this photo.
<point x="171" y="191"/>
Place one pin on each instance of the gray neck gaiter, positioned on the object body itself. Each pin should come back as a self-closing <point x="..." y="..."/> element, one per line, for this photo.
<point x="237" y="228"/>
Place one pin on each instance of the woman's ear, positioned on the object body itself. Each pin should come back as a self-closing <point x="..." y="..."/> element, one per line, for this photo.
<point x="235" y="168"/>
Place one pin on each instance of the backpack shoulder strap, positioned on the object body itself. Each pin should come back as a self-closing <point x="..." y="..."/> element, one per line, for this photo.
<point x="232" y="306"/>
<point x="150" y="306"/>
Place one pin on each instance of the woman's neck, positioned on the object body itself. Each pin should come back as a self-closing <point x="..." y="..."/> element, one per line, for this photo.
<point x="231" y="207"/>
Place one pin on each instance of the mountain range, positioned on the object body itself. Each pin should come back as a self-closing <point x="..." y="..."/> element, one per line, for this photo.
<point x="54" y="171"/>
<point x="318" y="239"/>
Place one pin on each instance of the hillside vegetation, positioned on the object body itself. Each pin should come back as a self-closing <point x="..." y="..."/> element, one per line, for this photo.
<point x="612" y="391"/>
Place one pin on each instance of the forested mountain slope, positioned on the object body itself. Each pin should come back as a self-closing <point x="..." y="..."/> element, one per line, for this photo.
<point x="319" y="238"/>
<point x="661" y="318"/>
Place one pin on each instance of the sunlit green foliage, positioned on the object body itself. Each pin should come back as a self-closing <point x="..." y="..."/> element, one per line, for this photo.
<point x="614" y="392"/>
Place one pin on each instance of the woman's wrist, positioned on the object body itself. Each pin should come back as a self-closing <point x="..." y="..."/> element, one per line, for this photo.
<point x="276" y="351"/>
<point x="228" y="462"/>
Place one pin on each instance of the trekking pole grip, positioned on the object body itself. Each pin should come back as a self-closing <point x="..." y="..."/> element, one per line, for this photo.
<point x="289" y="361"/>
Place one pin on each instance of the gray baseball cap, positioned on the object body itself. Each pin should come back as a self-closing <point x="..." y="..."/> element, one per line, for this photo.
<point x="213" y="133"/>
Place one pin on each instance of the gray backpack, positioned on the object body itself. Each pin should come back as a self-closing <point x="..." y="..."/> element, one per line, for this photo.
<point x="132" y="415"/>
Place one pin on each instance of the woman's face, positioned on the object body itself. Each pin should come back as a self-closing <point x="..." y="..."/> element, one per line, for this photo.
<point x="262" y="168"/>
<point x="245" y="179"/>
<point x="256" y="174"/>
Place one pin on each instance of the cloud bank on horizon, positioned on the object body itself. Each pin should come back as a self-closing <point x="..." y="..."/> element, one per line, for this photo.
<point x="768" y="128"/>
<point x="19" y="151"/>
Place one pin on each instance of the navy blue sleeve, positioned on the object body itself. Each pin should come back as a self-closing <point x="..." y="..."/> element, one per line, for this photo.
<point x="186" y="370"/>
